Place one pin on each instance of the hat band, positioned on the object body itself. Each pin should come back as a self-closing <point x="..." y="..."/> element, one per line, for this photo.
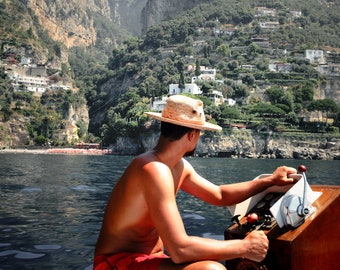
<point x="183" y="119"/>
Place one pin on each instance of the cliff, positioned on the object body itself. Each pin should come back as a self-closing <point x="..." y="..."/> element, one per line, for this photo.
<point x="77" y="23"/>
<point x="15" y="132"/>
<point x="156" y="11"/>
<point x="246" y="144"/>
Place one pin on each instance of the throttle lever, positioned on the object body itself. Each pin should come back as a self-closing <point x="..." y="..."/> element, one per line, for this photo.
<point x="302" y="208"/>
<point x="293" y="207"/>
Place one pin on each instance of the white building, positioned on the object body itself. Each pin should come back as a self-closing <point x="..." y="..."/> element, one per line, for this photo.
<point x="207" y="74"/>
<point x="329" y="69"/>
<point x="223" y="31"/>
<point x="33" y="84"/>
<point x="269" y="25"/>
<point x="230" y="101"/>
<point x="315" y="56"/>
<point x="25" y="61"/>
<point x="159" y="104"/>
<point x="190" y="88"/>
<point x="280" y="67"/>
<point x="264" y="11"/>
<point x="216" y="97"/>
<point x="295" y="14"/>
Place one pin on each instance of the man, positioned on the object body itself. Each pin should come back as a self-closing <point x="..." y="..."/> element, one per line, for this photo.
<point x="142" y="218"/>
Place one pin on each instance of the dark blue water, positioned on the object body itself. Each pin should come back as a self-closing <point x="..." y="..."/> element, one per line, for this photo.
<point x="52" y="205"/>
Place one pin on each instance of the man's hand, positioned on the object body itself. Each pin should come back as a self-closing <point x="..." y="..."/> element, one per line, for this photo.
<point x="281" y="176"/>
<point x="257" y="246"/>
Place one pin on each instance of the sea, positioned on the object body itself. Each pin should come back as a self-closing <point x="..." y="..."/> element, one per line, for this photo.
<point x="52" y="205"/>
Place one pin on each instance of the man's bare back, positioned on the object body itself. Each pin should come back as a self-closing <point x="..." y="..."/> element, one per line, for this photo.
<point x="127" y="225"/>
<point x="142" y="216"/>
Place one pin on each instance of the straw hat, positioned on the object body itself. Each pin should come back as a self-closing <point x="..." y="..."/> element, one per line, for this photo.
<point x="184" y="111"/>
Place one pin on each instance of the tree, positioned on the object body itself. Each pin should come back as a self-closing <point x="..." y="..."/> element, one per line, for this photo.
<point x="198" y="68"/>
<point x="7" y="112"/>
<point x="324" y="105"/>
<point x="180" y="67"/>
<point x="274" y="94"/>
<point x="232" y="65"/>
<point x="303" y="93"/>
<point x="154" y="37"/>
<point x="223" y="50"/>
<point x="181" y="82"/>
<point x="267" y="110"/>
<point x="229" y="112"/>
<point x="248" y="79"/>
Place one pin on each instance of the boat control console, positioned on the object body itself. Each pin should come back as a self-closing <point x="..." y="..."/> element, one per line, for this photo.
<point x="301" y="236"/>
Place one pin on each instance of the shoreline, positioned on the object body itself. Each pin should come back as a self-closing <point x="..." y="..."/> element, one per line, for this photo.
<point x="60" y="151"/>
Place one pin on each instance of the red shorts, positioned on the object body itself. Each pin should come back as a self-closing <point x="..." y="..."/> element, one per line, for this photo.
<point x="127" y="261"/>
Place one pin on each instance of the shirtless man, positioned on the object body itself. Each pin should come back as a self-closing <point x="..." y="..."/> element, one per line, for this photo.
<point x="142" y="218"/>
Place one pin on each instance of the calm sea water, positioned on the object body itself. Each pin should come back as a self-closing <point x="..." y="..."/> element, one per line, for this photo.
<point x="52" y="205"/>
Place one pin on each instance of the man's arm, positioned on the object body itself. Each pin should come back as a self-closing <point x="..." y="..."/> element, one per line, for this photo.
<point x="159" y="189"/>
<point x="233" y="193"/>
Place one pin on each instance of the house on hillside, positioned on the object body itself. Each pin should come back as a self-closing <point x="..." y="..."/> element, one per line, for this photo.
<point x="190" y="88"/>
<point x="25" y="61"/>
<point x="329" y="69"/>
<point x="295" y="14"/>
<point x="269" y="25"/>
<point x="261" y="41"/>
<point x="224" y="31"/>
<point x="207" y="74"/>
<point x="280" y="67"/>
<point x="264" y="11"/>
<point x="158" y="104"/>
<point x="230" y="101"/>
<point x="33" y="84"/>
<point x="216" y="97"/>
<point x="315" y="56"/>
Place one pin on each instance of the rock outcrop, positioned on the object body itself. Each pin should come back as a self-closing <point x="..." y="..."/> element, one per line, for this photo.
<point x="245" y="144"/>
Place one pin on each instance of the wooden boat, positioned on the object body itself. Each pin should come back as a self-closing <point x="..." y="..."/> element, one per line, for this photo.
<point x="315" y="244"/>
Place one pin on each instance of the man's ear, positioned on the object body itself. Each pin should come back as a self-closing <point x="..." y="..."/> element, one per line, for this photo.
<point x="191" y="134"/>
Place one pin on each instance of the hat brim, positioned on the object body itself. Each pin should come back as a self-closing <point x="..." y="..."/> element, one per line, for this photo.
<point x="206" y="126"/>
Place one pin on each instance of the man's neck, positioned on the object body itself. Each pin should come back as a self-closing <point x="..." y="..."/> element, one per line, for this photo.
<point x="169" y="153"/>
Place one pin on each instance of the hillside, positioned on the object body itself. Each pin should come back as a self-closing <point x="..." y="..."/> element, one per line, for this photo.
<point x="121" y="55"/>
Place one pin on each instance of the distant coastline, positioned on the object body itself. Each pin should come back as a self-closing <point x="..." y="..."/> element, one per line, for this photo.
<point x="60" y="151"/>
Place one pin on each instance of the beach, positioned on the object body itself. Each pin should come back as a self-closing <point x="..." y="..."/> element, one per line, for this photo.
<point x="62" y="151"/>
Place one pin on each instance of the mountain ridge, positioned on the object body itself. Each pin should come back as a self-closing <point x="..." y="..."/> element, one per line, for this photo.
<point x="94" y="43"/>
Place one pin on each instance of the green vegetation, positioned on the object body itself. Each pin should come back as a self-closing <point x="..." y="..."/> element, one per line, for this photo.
<point x="119" y="86"/>
<point x="142" y="69"/>
<point x="43" y="116"/>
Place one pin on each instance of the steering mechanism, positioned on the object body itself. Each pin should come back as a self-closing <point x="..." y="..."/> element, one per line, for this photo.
<point x="302" y="208"/>
<point x="294" y="208"/>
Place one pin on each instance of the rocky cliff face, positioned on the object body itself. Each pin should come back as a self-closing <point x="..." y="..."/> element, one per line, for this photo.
<point x="245" y="144"/>
<point x="329" y="89"/>
<point x="74" y="23"/>
<point x="14" y="133"/>
<point x="69" y="22"/>
<point x="156" y="11"/>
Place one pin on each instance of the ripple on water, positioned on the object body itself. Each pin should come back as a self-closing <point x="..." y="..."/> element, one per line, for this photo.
<point x="192" y="216"/>
<point x="47" y="247"/>
<point x="31" y="189"/>
<point x="213" y="236"/>
<point x="83" y="188"/>
<point x="21" y="254"/>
